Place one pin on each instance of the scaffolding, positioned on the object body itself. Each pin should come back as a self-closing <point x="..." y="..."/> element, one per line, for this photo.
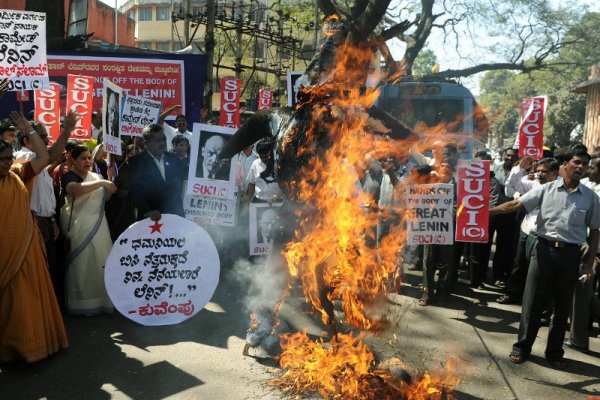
<point x="264" y="41"/>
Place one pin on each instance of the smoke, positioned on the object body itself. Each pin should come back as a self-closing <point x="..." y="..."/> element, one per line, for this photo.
<point x="264" y="283"/>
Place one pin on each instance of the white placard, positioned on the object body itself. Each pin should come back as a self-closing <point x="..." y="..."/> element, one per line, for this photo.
<point x="162" y="273"/>
<point x="292" y="87"/>
<point x="263" y="219"/>
<point x="23" y="48"/>
<point x="111" y="117"/>
<point x="210" y="176"/>
<point x="209" y="210"/>
<point x="429" y="214"/>
<point x="137" y="113"/>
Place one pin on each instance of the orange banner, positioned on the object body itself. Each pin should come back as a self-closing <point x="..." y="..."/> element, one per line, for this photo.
<point x="531" y="130"/>
<point x="47" y="110"/>
<point x="80" y="96"/>
<point x="230" y="102"/>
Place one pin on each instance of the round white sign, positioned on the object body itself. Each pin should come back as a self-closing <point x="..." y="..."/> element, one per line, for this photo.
<point x="162" y="273"/>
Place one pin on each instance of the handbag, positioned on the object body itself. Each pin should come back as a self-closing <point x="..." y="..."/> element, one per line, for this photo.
<point x="67" y="239"/>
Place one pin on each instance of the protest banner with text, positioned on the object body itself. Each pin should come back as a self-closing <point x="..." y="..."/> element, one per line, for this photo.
<point x="229" y="115"/>
<point x="47" y="110"/>
<point x="205" y="210"/>
<point x="473" y="201"/>
<point x="79" y="99"/>
<point x="263" y="220"/>
<point x="162" y="273"/>
<point x="137" y="113"/>
<point x="23" y="48"/>
<point x="208" y="175"/>
<point x="154" y="79"/>
<point x="429" y="214"/>
<point x="531" y="129"/>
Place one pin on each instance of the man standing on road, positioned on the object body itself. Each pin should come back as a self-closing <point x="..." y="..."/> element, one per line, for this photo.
<point x="567" y="210"/>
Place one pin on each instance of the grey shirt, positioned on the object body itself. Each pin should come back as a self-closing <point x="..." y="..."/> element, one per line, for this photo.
<point x="563" y="216"/>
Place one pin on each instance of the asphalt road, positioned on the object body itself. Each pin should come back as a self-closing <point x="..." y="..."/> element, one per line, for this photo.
<point x="111" y="357"/>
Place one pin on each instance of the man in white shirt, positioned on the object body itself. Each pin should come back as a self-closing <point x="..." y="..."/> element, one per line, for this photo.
<point x="96" y="125"/>
<point x="180" y="126"/>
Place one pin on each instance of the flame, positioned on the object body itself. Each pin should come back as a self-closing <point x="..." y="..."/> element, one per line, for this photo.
<point x="345" y="370"/>
<point x="333" y="253"/>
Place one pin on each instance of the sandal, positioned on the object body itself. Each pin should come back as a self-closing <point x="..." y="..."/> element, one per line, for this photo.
<point x="516" y="358"/>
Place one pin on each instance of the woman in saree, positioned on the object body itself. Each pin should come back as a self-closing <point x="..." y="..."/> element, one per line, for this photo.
<point x="31" y="325"/>
<point x="83" y="222"/>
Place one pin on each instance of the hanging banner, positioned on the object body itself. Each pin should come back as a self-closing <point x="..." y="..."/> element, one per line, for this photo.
<point x="429" y="210"/>
<point x="230" y="102"/>
<point x="111" y="117"/>
<point x="531" y="129"/>
<point x="137" y="113"/>
<point x="155" y="79"/>
<point x="473" y="201"/>
<point x="265" y="98"/>
<point x="162" y="273"/>
<point x="204" y="210"/>
<point x="23" y="48"/>
<point x="263" y="219"/>
<point x="47" y="110"/>
<point x="80" y="91"/>
<point x="209" y="175"/>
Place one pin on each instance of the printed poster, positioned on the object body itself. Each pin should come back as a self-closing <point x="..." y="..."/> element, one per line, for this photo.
<point x="429" y="214"/>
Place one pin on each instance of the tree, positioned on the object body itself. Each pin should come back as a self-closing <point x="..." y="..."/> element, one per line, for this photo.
<point x="566" y="110"/>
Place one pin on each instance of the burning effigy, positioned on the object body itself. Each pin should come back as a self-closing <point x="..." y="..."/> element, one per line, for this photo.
<point x="325" y="242"/>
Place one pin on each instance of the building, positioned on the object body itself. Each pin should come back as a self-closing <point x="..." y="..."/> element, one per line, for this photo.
<point x="591" y="88"/>
<point x="90" y="16"/>
<point x="254" y="42"/>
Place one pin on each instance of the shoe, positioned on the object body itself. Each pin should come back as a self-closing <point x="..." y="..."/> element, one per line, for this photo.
<point x="516" y="357"/>
<point x="506" y="299"/>
<point x="500" y="284"/>
<point x="423" y="302"/>
<point x="568" y="343"/>
<point x="557" y="363"/>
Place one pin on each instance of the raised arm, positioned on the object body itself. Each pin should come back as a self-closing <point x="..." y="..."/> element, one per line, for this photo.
<point x="42" y="158"/>
<point x="57" y="149"/>
<point x="167" y="112"/>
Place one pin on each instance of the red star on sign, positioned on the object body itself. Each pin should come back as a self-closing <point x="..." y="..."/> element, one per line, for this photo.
<point x="155" y="227"/>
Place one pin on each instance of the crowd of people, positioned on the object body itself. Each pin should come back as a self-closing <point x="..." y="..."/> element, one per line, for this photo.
<point x="63" y="206"/>
<point x="544" y="220"/>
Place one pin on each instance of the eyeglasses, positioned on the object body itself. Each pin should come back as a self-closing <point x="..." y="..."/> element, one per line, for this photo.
<point x="6" y="159"/>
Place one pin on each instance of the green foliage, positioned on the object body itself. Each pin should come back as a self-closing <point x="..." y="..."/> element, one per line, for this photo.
<point x="424" y="62"/>
<point x="502" y="91"/>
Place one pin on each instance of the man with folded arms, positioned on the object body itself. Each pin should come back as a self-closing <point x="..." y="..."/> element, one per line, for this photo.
<point x="567" y="210"/>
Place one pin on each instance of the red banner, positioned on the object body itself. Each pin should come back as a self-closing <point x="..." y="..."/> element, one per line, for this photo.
<point x="531" y="130"/>
<point x="80" y="92"/>
<point x="265" y="98"/>
<point x="47" y="110"/>
<point x="473" y="201"/>
<point x="230" y="102"/>
<point x="155" y="79"/>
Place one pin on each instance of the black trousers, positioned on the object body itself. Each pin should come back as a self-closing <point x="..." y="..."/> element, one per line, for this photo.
<point x="552" y="274"/>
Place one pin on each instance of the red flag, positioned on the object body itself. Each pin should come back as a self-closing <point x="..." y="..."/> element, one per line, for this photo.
<point x="80" y="95"/>
<point x="230" y="102"/>
<point x="531" y="130"/>
<point x="47" y="110"/>
<point x="22" y="95"/>
<point x="473" y="201"/>
<point x="265" y="98"/>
